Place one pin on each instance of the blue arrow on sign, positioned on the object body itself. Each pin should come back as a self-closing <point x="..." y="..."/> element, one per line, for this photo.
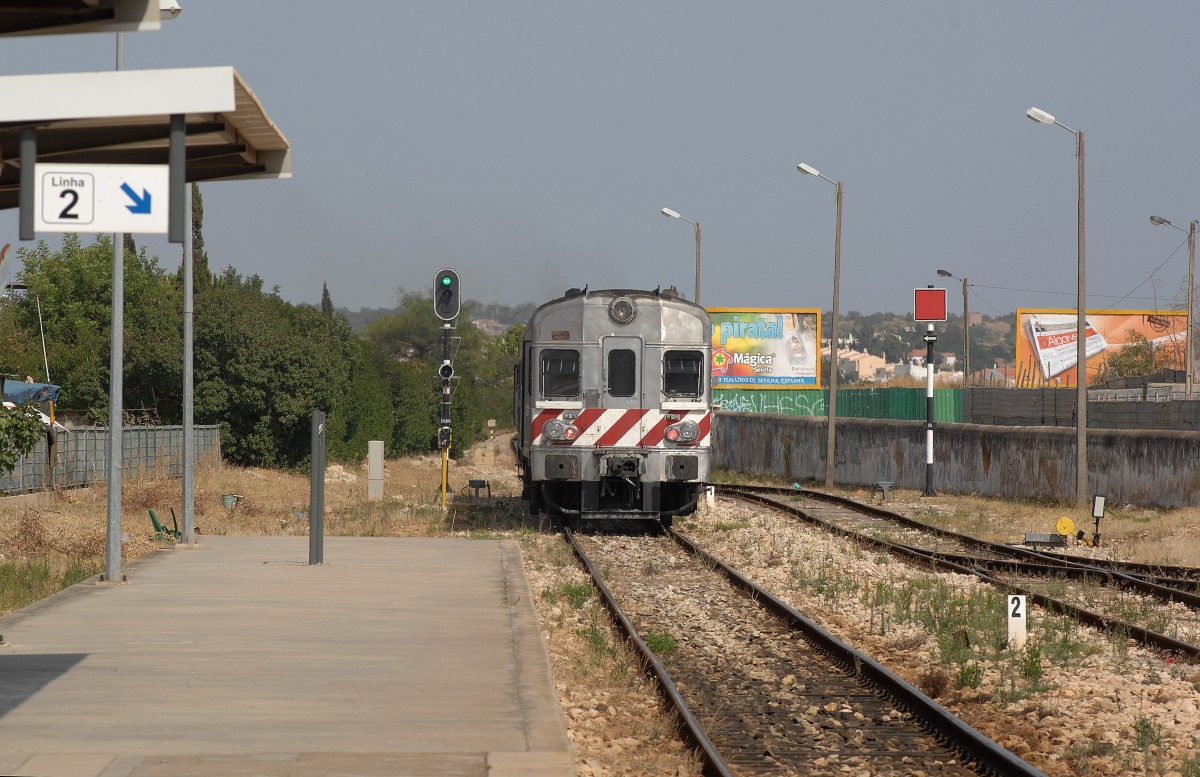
<point x="140" y="204"/>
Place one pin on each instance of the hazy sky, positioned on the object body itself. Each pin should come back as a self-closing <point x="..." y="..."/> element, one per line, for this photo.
<point x="531" y="146"/>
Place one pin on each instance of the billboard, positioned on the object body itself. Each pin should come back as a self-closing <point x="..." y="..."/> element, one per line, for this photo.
<point x="1047" y="348"/>
<point x="766" y="348"/>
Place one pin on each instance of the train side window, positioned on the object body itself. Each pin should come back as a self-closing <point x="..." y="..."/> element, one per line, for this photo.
<point x="682" y="371"/>
<point x="560" y="373"/>
<point x="622" y="372"/>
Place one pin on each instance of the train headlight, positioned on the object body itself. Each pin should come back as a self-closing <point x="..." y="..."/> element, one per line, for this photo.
<point x="556" y="430"/>
<point x="622" y="310"/>
<point x="687" y="431"/>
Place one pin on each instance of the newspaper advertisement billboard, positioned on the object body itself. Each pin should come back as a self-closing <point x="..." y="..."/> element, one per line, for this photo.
<point x="1047" y="346"/>
<point x="766" y="348"/>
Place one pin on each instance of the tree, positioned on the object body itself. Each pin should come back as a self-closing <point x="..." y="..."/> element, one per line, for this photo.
<point x="416" y="408"/>
<point x="20" y="349"/>
<point x="20" y="429"/>
<point x="264" y="365"/>
<point x="326" y="301"/>
<point x="412" y="341"/>
<point x="74" y="286"/>
<point x="1137" y="356"/>
<point x="201" y="274"/>
<point x="364" y="412"/>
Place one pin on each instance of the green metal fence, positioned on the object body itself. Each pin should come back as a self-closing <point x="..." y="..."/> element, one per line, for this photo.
<point x="900" y="404"/>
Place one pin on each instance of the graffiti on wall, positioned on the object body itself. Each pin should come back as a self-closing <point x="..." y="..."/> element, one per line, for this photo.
<point x="785" y="402"/>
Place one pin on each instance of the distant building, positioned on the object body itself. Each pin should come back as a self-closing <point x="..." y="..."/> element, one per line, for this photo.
<point x="859" y="365"/>
<point x="912" y="367"/>
<point x="490" y="326"/>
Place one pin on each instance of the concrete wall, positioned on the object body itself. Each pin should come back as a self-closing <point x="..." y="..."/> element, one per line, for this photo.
<point x="1152" y="468"/>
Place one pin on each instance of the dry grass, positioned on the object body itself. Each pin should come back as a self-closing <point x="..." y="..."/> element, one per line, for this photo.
<point x="67" y="528"/>
<point x="1128" y="533"/>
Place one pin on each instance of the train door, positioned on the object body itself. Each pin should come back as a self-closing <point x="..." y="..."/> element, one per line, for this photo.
<point x="620" y="466"/>
<point x="622" y="373"/>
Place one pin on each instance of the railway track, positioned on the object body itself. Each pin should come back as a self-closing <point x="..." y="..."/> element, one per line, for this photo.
<point x="1055" y="582"/>
<point x="763" y="690"/>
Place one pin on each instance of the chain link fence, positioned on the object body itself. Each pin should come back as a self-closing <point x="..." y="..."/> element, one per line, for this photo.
<point x="79" y="457"/>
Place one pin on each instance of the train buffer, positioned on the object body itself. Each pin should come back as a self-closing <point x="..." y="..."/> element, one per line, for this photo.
<point x="883" y="487"/>
<point x="1035" y="540"/>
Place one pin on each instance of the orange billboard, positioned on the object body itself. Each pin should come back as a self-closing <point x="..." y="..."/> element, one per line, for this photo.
<point x="1048" y="348"/>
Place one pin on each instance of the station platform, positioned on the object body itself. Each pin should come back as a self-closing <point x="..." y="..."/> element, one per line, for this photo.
<point x="395" y="657"/>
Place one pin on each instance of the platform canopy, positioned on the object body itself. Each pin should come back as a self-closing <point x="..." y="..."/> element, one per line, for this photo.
<point x="55" y="17"/>
<point x="123" y="117"/>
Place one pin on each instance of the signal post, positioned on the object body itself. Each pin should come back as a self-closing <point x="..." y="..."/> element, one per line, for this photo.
<point x="929" y="305"/>
<point x="445" y="307"/>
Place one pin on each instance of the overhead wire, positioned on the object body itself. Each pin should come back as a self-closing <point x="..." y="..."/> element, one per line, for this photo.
<point x="1128" y="295"/>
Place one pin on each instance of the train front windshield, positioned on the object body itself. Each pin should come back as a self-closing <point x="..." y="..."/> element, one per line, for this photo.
<point x="682" y="376"/>
<point x="560" y="373"/>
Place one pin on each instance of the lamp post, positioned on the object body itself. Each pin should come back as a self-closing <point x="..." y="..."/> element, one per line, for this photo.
<point x="1081" y="473"/>
<point x="833" y="326"/>
<point x="966" y="328"/>
<point x="672" y="214"/>
<point x="1190" y="364"/>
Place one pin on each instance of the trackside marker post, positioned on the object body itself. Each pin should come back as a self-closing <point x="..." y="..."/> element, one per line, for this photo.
<point x="1017" y="620"/>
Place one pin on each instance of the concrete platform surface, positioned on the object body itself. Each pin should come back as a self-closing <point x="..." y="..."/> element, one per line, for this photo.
<point x="395" y="657"/>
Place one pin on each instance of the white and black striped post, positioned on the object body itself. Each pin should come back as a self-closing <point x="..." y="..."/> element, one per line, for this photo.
<point x="929" y="305"/>
<point x="930" y="339"/>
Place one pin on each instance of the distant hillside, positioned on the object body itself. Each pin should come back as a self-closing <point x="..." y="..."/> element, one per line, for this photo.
<point x="502" y="315"/>
<point x="890" y="335"/>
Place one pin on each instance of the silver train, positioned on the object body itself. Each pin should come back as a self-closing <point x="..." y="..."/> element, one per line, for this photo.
<point x="613" y="405"/>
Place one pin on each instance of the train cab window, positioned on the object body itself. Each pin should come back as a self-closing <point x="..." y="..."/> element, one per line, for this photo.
<point x="560" y="374"/>
<point x="622" y="372"/>
<point x="682" y="371"/>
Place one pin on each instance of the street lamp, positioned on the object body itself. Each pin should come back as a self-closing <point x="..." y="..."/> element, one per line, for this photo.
<point x="966" y="328"/>
<point x="1081" y="473"/>
<point x="1190" y="367"/>
<point x="672" y="214"/>
<point x="833" y="326"/>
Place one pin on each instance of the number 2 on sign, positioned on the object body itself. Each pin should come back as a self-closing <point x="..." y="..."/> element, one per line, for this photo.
<point x="1018" y="606"/>
<point x="67" y="212"/>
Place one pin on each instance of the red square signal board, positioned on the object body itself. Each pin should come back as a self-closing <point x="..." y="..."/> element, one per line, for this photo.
<point x="929" y="304"/>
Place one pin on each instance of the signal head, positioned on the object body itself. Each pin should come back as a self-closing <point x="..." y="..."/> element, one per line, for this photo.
<point x="445" y="294"/>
